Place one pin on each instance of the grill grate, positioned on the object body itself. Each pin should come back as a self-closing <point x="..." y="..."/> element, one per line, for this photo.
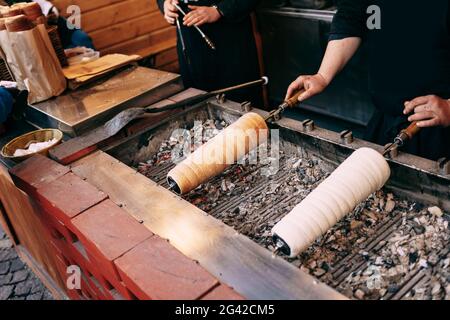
<point x="264" y="217"/>
<point x="344" y="257"/>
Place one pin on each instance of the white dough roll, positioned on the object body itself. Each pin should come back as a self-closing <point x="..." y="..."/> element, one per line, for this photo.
<point x="363" y="173"/>
<point x="219" y="153"/>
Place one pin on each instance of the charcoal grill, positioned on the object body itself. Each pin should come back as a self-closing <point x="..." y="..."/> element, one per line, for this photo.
<point x="415" y="179"/>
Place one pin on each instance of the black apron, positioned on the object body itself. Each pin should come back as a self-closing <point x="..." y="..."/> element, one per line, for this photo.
<point x="234" y="61"/>
<point x="409" y="57"/>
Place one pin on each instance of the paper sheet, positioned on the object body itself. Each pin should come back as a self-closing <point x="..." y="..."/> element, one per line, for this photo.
<point x="83" y="72"/>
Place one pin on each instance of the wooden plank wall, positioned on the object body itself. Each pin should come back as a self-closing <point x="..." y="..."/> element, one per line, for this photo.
<point x="129" y="27"/>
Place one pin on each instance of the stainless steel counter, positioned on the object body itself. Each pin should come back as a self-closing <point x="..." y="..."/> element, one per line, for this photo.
<point x="78" y="111"/>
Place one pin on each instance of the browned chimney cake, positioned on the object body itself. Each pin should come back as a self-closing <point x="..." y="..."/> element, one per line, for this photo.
<point x="219" y="153"/>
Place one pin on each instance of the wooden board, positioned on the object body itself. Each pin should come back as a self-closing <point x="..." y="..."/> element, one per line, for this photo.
<point x="115" y="13"/>
<point x="147" y="45"/>
<point x="127" y="30"/>
<point x="85" y="5"/>
<point x="232" y="258"/>
<point x="125" y="26"/>
<point x="86" y="71"/>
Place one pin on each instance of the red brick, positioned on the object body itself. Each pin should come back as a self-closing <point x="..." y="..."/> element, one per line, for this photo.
<point x="107" y="288"/>
<point x="68" y="196"/>
<point x="96" y="288"/>
<point x="71" y="255"/>
<point x="108" y="232"/>
<point x="74" y="253"/>
<point x="116" y="295"/>
<point x="113" y="289"/>
<point x="56" y="228"/>
<point x="156" y="270"/>
<point x="88" y="292"/>
<point x="102" y="286"/>
<point x="73" y="149"/>
<point x="35" y="172"/>
<point x="91" y="277"/>
<point x="56" y="249"/>
<point x="62" y="265"/>
<point x="78" y="255"/>
<point x="223" y="292"/>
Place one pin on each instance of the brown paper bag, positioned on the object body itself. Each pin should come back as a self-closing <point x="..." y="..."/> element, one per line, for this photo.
<point x="35" y="61"/>
<point x="10" y="59"/>
<point x="3" y="64"/>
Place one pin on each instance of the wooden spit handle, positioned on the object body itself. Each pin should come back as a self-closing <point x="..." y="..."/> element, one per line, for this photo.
<point x="412" y="130"/>
<point x="293" y="101"/>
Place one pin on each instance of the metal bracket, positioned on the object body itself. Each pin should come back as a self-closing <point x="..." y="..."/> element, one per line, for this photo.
<point x="221" y="98"/>
<point x="276" y="116"/>
<point x="308" y="125"/>
<point x="347" y="136"/>
<point x="444" y="165"/>
<point x="393" y="150"/>
<point x="246" y="106"/>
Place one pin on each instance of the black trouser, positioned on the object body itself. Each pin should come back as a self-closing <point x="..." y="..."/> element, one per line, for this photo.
<point x="234" y="61"/>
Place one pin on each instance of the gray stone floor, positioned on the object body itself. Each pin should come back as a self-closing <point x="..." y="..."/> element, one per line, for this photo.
<point x="17" y="281"/>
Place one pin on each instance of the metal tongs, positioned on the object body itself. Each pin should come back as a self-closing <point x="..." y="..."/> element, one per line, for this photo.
<point x="204" y="36"/>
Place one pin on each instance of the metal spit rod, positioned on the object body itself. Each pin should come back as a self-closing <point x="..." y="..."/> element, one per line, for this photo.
<point x="399" y="141"/>
<point x="404" y="135"/>
<point x="204" y="36"/>
<point x="290" y="103"/>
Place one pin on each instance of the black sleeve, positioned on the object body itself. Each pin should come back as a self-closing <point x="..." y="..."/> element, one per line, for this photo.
<point x="237" y="9"/>
<point x="350" y="20"/>
<point x="161" y="5"/>
<point x="448" y="20"/>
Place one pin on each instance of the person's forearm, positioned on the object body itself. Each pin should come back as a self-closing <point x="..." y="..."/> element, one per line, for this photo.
<point x="337" y="55"/>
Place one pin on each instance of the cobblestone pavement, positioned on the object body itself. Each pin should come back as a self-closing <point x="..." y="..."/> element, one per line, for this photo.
<point x="17" y="281"/>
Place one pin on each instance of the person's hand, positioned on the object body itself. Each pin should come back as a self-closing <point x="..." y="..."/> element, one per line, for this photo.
<point x="201" y="15"/>
<point x="429" y="111"/>
<point x="313" y="84"/>
<point x="170" y="12"/>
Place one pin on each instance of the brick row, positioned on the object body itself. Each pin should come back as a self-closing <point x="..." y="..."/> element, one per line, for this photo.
<point x="119" y="258"/>
<point x="35" y="172"/>
<point x="156" y="270"/>
<point x="68" y="196"/>
<point x="108" y="232"/>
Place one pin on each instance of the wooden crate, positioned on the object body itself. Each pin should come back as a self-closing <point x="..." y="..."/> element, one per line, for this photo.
<point x="129" y="27"/>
